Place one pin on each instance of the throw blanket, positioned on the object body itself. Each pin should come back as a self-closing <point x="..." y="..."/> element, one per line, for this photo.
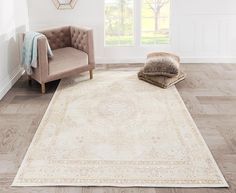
<point x="30" y="51"/>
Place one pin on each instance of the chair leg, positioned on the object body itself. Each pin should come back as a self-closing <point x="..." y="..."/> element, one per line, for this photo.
<point x="30" y="80"/>
<point x="43" y="88"/>
<point x="91" y="74"/>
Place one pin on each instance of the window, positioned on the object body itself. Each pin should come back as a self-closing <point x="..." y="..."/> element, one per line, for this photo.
<point x="119" y="22"/>
<point x="155" y="22"/>
<point x="120" y="27"/>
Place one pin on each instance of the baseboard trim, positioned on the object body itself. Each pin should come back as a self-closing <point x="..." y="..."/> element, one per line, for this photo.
<point x="7" y="85"/>
<point x="183" y="60"/>
<point x="119" y="61"/>
<point x="222" y="60"/>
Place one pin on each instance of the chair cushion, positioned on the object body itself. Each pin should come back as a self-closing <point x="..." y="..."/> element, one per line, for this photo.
<point x="66" y="59"/>
<point x="164" y="64"/>
<point x="161" y="81"/>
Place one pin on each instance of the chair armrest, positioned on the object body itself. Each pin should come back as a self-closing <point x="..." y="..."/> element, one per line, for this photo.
<point x="82" y="39"/>
<point x="43" y="66"/>
<point x="41" y="72"/>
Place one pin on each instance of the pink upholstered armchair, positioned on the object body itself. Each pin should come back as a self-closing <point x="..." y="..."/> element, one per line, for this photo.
<point x="73" y="53"/>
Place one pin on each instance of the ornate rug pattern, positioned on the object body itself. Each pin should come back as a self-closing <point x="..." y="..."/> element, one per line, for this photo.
<point x="116" y="130"/>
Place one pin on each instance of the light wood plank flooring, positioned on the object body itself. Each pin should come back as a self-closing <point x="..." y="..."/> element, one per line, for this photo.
<point x="209" y="93"/>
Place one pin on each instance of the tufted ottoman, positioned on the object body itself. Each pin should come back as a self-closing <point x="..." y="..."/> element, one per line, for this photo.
<point x="162" y="69"/>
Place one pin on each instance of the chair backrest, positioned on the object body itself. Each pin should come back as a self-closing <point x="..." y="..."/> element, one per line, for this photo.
<point x="58" y="37"/>
<point x="79" y="38"/>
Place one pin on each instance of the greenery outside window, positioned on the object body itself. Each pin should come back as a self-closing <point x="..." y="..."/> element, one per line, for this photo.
<point x="119" y="22"/>
<point x="155" y="22"/>
<point x="153" y="27"/>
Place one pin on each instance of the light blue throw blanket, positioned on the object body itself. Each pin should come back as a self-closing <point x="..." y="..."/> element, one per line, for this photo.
<point x="30" y="51"/>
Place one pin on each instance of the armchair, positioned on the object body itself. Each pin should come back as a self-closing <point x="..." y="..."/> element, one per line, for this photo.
<point x="73" y="51"/>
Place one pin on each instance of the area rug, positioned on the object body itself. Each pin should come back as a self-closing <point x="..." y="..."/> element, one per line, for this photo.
<point x="116" y="130"/>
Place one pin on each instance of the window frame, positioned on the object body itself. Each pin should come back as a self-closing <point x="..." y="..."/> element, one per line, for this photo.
<point x="137" y="28"/>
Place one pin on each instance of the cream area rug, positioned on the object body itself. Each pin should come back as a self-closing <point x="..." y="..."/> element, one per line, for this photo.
<point x="116" y="130"/>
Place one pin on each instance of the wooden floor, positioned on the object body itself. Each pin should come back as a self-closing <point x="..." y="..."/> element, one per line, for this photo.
<point x="209" y="93"/>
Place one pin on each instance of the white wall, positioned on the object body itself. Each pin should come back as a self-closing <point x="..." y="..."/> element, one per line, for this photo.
<point x="201" y="31"/>
<point x="13" y="19"/>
